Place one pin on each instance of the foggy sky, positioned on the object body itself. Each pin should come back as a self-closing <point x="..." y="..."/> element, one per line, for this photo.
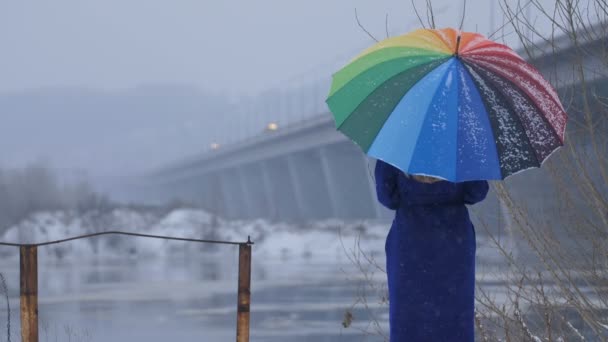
<point x="112" y="86"/>
<point x="231" y="45"/>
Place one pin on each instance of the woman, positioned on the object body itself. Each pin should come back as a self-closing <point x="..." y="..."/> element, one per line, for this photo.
<point x="430" y="256"/>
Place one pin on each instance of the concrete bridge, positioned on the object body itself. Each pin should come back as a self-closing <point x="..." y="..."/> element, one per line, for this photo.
<point x="308" y="171"/>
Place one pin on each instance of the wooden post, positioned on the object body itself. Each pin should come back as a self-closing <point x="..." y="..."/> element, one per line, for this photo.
<point x="244" y="296"/>
<point x="28" y="262"/>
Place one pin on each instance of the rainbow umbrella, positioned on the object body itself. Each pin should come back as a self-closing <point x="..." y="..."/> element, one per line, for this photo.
<point x="448" y="104"/>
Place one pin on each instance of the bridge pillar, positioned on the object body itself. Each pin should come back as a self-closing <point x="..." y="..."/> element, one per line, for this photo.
<point x="311" y="186"/>
<point x="201" y="188"/>
<point x="196" y="190"/>
<point x="233" y="199"/>
<point x="215" y="195"/>
<point x="186" y="189"/>
<point x="257" y="194"/>
<point x="296" y="185"/>
<point x="174" y="190"/>
<point x="349" y="182"/>
<point x="282" y="189"/>
<point x="245" y="181"/>
<point x="330" y="184"/>
<point x="369" y="165"/>
<point x="271" y="201"/>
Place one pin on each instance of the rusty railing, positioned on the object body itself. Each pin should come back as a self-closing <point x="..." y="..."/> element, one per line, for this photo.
<point x="28" y="280"/>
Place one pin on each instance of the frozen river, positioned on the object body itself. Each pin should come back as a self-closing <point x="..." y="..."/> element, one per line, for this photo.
<point x="190" y="299"/>
<point x="127" y="289"/>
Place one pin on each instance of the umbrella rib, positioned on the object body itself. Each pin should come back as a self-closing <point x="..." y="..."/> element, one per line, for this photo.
<point x="430" y="54"/>
<point x="555" y="101"/>
<point x="426" y="114"/>
<point x="441" y="38"/>
<point x="530" y="102"/>
<point x="497" y="99"/>
<point x="505" y="99"/>
<point x="439" y="61"/>
<point x="488" y="111"/>
<point x="457" y="84"/>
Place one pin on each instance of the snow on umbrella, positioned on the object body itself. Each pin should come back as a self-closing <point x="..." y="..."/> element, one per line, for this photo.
<point x="449" y="104"/>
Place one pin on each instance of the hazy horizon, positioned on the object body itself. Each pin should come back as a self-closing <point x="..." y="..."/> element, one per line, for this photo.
<point x="113" y="87"/>
<point x="235" y="46"/>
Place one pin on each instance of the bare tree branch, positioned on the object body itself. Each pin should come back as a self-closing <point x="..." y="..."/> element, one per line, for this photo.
<point x="464" y="11"/>
<point x="430" y="14"/>
<point x="363" y="28"/>
<point x="418" y="14"/>
<point x="509" y="21"/>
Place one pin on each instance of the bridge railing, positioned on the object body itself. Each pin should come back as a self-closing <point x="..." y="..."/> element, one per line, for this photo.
<point x="287" y="102"/>
<point x="279" y="107"/>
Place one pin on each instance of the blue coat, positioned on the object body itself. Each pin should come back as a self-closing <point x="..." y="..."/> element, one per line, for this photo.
<point x="430" y="256"/>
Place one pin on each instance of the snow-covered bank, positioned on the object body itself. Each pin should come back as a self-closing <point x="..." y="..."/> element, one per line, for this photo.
<point x="326" y="239"/>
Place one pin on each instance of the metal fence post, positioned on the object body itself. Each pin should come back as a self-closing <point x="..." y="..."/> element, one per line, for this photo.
<point x="244" y="296"/>
<point x="28" y="285"/>
<point x="28" y="273"/>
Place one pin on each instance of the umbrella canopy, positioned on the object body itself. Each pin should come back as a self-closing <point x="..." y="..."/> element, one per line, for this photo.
<point x="448" y="104"/>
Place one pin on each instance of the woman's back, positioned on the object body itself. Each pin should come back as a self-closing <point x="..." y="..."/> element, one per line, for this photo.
<point x="430" y="256"/>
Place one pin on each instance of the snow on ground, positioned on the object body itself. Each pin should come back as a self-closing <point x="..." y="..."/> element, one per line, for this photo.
<point x="318" y="241"/>
<point x="328" y="239"/>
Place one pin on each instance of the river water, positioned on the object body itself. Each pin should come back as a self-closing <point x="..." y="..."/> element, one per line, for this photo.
<point x="193" y="298"/>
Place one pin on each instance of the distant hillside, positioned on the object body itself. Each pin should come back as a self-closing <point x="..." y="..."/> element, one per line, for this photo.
<point x="108" y="133"/>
